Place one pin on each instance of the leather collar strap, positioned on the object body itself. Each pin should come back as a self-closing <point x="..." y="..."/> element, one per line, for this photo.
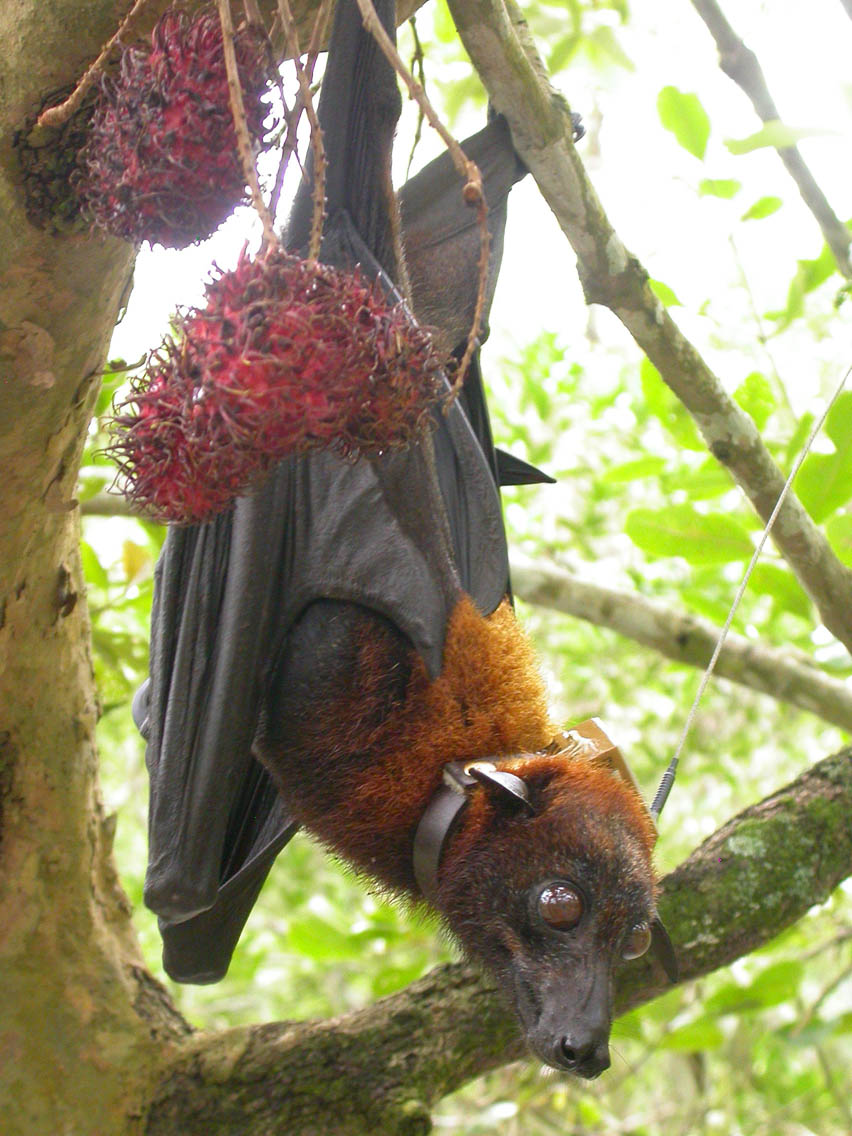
<point x="437" y="824"/>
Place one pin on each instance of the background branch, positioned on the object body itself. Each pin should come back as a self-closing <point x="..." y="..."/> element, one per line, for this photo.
<point x="788" y="677"/>
<point x="387" y="1064"/>
<point x="498" y="42"/>
<point x="742" y="66"/>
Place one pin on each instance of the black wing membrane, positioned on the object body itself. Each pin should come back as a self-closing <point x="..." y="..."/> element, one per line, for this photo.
<point x="403" y="534"/>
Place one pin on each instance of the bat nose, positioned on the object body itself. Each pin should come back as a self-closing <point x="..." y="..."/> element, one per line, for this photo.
<point x="584" y="1056"/>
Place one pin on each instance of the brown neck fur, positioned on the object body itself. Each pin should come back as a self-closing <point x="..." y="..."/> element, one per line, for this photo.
<point x="360" y="777"/>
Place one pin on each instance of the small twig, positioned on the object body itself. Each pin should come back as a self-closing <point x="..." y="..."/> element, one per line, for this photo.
<point x="473" y="192"/>
<point x="838" y="1093"/>
<point x="762" y="337"/>
<point x="294" y="115"/>
<point x="741" y="65"/>
<point x="235" y="95"/>
<point x="416" y="63"/>
<point x="826" y="992"/>
<point x="58" y="115"/>
<point x="289" y="26"/>
<point x="108" y="504"/>
<point x="252" y="11"/>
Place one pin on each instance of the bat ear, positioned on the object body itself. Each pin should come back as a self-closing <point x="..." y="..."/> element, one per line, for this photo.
<point x="504" y="789"/>
<point x="663" y="950"/>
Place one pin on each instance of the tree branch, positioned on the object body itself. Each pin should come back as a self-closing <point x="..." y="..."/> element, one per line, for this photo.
<point x="783" y="675"/>
<point x="741" y="65"/>
<point x="387" y="1064"/>
<point x="500" y="47"/>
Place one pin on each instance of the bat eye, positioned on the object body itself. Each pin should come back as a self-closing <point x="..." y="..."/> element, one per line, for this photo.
<point x="560" y="906"/>
<point x="637" y="942"/>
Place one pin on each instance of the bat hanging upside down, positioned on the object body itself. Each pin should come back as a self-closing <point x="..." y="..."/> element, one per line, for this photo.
<point x="340" y="652"/>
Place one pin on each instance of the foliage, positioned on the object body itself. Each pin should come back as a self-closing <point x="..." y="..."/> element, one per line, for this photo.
<point x="641" y="506"/>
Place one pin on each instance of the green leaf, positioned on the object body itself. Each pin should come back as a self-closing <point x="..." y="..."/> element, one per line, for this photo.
<point x="563" y="51"/>
<point x="394" y="978"/>
<point x="669" y="409"/>
<point x="755" y="396"/>
<point x="778" y="983"/>
<point x="678" y="530"/>
<point x="842" y="1024"/>
<point x="664" y="293"/>
<point x="799" y="436"/>
<point x="708" y="481"/>
<point x="93" y="570"/>
<point x="135" y="560"/>
<point x="784" y="589"/>
<point x="602" y="49"/>
<point x="839" y="533"/>
<point x="763" y="207"/>
<point x="317" y="939"/>
<point x="719" y="187"/>
<point x="634" y="470"/>
<point x="685" y="117"/>
<point x="445" y="29"/>
<point x="704" y="1033"/>
<point x="824" y="482"/>
<point x="775" y="134"/>
<point x="809" y="275"/>
<point x="699" y="601"/>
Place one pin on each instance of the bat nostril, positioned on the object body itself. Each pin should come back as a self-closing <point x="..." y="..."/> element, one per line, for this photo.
<point x="585" y="1058"/>
<point x="574" y="1054"/>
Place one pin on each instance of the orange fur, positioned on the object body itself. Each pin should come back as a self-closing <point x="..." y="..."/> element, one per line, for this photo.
<point x="361" y="781"/>
<point x="359" y="768"/>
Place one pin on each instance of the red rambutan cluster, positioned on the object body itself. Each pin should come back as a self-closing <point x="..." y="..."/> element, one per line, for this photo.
<point x="161" y="163"/>
<point x="287" y="356"/>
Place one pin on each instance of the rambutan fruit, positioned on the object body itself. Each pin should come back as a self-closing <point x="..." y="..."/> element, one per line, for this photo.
<point x="161" y="162"/>
<point x="287" y="356"/>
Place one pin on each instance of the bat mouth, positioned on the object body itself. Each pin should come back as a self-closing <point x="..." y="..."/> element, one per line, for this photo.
<point x="565" y="1041"/>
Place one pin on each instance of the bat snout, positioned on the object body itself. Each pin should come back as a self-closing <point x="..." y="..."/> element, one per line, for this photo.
<point x="567" y="1017"/>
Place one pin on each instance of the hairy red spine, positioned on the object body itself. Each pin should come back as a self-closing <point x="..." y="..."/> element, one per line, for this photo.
<point x="286" y="357"/>
<point x="161" y="163"/>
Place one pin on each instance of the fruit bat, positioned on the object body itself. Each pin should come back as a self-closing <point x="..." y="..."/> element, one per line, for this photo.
<point x="338" y="652"/>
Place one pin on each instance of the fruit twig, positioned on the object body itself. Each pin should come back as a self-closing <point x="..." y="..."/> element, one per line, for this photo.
<point x="416" y="62"/>
<point x="252" y="11"/>
<point x="473" y="192"/>
<point x="235" y="95"/>
<point x="306" y="97"/>
<point x="294" y="114"/>
<point x="59" y="115"/>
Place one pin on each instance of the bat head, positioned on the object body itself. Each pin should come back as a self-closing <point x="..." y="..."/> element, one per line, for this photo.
<point x="547" y="882"/>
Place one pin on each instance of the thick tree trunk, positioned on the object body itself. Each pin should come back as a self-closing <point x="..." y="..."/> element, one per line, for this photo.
<point x="75" y="1049"/>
